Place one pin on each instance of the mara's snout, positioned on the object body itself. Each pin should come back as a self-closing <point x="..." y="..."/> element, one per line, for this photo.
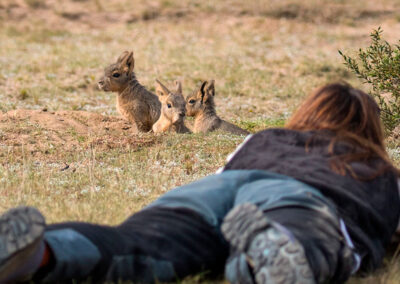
<point x="100" y="84"/>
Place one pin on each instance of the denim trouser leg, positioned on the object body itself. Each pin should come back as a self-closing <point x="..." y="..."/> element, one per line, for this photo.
<point x="300" y="208"/>
<point x="212" y="197"/>
<point x="309" y="216"/>
<point x="175" y="236"/>
<point x="159" y="244"/>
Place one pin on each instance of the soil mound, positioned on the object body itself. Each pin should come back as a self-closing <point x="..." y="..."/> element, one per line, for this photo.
<point x="40" y="131"/>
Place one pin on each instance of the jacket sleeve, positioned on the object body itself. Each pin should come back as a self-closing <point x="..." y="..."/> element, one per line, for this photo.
<point x="230" y="156"/>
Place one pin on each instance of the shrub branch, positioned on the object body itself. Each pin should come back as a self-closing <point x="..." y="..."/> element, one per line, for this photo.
<point x="379" y="66"/>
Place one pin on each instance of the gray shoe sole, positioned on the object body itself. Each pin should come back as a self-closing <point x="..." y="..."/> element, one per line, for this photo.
<point x="21" y="234"/>
<point x="273" y="255"/>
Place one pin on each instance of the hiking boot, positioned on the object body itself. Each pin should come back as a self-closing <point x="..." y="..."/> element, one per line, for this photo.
<point x="21" y="244"/>
<point x="271" y="251"/>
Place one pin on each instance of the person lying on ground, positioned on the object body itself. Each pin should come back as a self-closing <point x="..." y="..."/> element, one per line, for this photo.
<point x="315" y="201"/>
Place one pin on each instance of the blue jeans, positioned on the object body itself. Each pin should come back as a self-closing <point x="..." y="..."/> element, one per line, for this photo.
<point x="84" y="250"/>
<point x="214" y="196"/>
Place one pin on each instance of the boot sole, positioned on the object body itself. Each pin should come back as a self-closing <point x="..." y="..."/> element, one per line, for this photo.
<point x="21" y="232"/>
<point x="272" y="254"/>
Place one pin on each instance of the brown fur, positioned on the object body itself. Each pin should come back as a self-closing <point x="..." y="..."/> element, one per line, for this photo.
<point x="134" y="102"/>
<point x="173" y="110"/>
<point x="200" y="104"/>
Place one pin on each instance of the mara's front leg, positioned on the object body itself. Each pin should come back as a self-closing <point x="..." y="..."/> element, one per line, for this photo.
<point x="137" y="118"/>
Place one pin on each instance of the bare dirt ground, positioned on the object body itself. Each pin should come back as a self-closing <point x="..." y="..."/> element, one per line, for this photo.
<point x="41" y="130"/>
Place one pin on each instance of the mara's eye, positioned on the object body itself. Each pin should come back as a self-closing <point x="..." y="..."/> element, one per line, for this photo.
<point x="192" y="101"/>
<point x="169" y="105"/>
<point x="116" y="75"/>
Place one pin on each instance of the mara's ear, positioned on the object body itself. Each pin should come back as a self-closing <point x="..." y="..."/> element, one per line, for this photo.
<point x="122" y="56"/>
<point x="178" y="85"/>
<point x="128" y="62"/>
<point x="161" y="90"/>
<point x="202" y="91"/>
<point x="210" y="88"/>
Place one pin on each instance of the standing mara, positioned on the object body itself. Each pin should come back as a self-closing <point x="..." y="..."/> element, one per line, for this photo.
<point x="138" y="105"/>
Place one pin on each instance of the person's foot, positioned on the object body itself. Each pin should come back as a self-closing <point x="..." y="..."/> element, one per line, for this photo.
<point x="271" y="251"/>
<point x="21" y="243"/>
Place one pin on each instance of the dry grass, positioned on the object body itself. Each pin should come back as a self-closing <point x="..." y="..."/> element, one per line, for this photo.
<point x="264" y="55"/>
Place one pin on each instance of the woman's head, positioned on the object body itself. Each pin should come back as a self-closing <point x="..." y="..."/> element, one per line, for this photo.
<point x="342" y="109"/>
<point x="350" y="113"/>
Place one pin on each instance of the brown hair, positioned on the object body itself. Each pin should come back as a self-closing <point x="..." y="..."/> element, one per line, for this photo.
<point x="353" y="116"/>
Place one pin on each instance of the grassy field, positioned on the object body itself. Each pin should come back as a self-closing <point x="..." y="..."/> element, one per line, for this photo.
<point x="265" y="56"/>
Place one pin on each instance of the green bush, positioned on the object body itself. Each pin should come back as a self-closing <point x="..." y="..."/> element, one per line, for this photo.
<point x="379" y="65"/>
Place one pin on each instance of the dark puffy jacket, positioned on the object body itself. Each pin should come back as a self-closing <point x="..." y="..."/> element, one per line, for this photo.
<point x="370" y="208"/>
